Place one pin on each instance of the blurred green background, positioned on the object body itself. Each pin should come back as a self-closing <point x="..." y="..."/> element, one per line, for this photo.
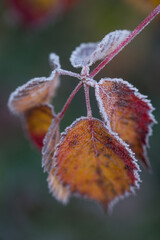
<point x="27" y="209"/>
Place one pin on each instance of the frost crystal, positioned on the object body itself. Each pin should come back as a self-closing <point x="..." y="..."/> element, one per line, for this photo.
<point x="88" y="53"/>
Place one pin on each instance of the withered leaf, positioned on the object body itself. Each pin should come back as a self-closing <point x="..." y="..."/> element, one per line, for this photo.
<point x="36" y="123"/>
<point x="88" y="53"/>
<point x="54" y="61"/>
<point x="50" y="141"/>
<point x="40" y="121"/>
<point x="95" y="163"/>
<point x="127" y="112"/>
<point x="35" y="92"/>
<point x="60" y="192"/>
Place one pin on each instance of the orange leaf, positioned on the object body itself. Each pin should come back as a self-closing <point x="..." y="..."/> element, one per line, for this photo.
<point x="37" y="121"/>
<point x="59" y="191"/>
<point x="50" y="141"/>
<point x="35" y="92"/>
<point x="40" y="121"/>
<point x="95" y="163"/>
<point x="128" y="113"/>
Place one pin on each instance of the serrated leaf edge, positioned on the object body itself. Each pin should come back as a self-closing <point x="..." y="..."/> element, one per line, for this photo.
<point x="138" y="95"/>
<point x="135" y="172"/>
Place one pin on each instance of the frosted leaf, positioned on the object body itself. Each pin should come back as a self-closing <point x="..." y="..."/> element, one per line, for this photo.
<point x="50" y="141"/>
<point x="35" y="92"/>
<point x="109" y="43"/>
<point x="128" y="113"/>
<point x="36" y="122"/>
<point x="57" y="189"/>
<point x="60" y="192"/>
<point x="94" y="162"/>
<point x="88" y="53"/>
<point x="54" y="61"/>
<point x="81" y="56"/>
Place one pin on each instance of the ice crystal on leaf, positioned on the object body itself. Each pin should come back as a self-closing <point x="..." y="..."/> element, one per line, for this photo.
<point x="92" y="158"/>
<point x="88" y="53"/>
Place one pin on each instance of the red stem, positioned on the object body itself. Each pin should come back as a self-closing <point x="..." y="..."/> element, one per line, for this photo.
<point x="133" y="34"/>
<point x="69" y="73"/>
<point x="61" y="114"/>
<point x="89" y="111"/>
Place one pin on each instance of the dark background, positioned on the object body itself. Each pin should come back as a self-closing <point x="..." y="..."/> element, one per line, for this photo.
<point x="27" y="210"/>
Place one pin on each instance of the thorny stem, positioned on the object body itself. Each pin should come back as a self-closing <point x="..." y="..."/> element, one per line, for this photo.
<point x="89" y="111"/>
<point x="61" y="114"/>
<point x="133" y="34"/>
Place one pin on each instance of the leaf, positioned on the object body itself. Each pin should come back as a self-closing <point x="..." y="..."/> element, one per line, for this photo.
<point x="109" y="43"/>
<point x="81" y="56"/>
<point x="40" y="121"/>
<point x="60" y="192"/>
<point x="37" y="121"/>
<point x="128" y="113"/>
<point x="35" y="92"/>
<point x="50" y="141"/>
<point x="88" y="53"/>
<point x="54" y="61"/>
<point x="95" y="163"/>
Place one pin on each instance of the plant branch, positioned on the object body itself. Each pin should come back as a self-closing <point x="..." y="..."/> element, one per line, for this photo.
<point x="68" y="73"/>
<point x="89" y="111"/>
<point x="64" y="109"/>
<point x="133" y="34"/>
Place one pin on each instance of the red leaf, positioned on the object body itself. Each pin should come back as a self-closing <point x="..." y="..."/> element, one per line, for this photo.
<point x="128" y="113"/>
